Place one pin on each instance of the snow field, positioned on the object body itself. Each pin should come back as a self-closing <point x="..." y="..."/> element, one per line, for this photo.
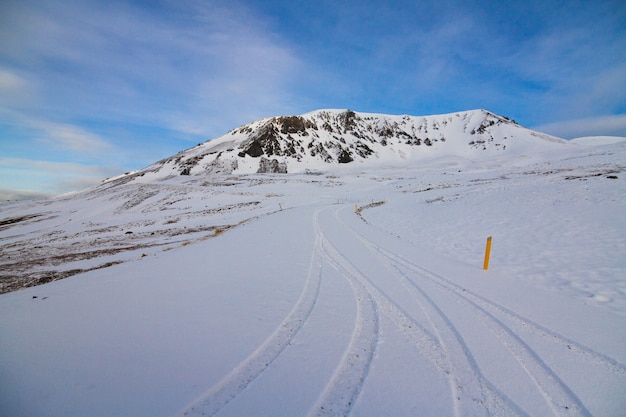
<point x="304" y="307"/>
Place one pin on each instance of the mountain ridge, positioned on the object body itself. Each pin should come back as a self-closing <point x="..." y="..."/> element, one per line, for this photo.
<point x="321" y="139"/>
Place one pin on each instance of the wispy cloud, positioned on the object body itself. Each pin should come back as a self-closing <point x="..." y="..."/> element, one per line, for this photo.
<point x="180" y="65"/>
<point x="37" y="176"/>
<point x="69" y="137"/>
<point x="57" y="136"/>
<point x="613" y="125"/>
<point x="12" y="86"/>
<point x="534" y="61"/>
<point x="9" y="194"/>
<point x="570" y="63"/>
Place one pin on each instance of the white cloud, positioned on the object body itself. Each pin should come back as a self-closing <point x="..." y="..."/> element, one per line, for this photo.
<point x="46" y="177"/>
<point x="70" y="137"/>
<point x="15" y="89"/>
<point x="7" y="194"/>
<point x="58" y="136"/>
<point x="571" y="69"/>
<point x="11" y="84"/>
<point x="613" y="125"/>
<point x="239" y="72"/>
<point x="193" y="66"/>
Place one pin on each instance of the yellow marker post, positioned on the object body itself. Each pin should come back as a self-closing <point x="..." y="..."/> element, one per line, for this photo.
<point x="487" y="253"/>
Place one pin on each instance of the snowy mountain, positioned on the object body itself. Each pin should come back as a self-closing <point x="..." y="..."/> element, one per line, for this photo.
<point x="317" y="140"/>
<point x="353" y="284"/>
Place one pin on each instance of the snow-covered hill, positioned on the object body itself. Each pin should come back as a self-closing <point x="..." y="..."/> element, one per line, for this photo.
<point x="334" y="289"/>
<point x="315" y="140"/>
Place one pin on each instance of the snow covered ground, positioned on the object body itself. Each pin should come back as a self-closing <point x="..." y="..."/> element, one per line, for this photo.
<point x="270" y="295"/>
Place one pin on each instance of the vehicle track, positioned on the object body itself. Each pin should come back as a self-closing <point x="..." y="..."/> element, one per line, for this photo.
<point x="525" y="324"/>
<point x="472" y="394"/>
<point x="340" y="394"/>
<point x="344" y="387"/>
<point x="239" y="378"/>
<point x="423" y="339"/>
<point x="557" y="394"/>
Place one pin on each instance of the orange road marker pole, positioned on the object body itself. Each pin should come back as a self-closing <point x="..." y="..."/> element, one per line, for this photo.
<point x="487" y="253"/>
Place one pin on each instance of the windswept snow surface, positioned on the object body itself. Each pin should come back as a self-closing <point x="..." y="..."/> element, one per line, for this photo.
<point x="272" y="295"/>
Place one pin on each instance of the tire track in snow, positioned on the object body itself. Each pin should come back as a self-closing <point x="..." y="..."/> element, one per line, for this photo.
<point x="423" y="339"/>
<point x="558" y="395"/>
<point x="344" y="387"/>
<point x="469" y="387"/>
<point x="525" y="324"/>
<point x="472" y="394"/>
<point x="338" y="398"/>
<point x="239" y="378"/>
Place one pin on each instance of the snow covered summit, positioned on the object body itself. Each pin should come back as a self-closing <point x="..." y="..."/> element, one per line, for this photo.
<point x="324" y="138"/>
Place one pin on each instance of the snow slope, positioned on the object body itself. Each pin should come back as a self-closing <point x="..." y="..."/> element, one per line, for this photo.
<point x="315" y="141"/>
<point x="349" y="292"/>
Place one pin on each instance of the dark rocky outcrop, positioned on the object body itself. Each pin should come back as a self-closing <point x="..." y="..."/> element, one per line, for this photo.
<point x="271" y="166"/>
<point x="344" y="157"/>
<point x="294" y="124"/>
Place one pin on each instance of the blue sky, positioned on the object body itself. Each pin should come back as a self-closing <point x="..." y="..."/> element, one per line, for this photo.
<point x="91" y="89"/>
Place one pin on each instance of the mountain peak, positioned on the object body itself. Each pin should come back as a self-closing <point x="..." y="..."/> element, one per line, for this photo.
<point x="321" y="139"/>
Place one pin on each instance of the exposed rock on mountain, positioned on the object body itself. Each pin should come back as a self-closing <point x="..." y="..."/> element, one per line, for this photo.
<point x="271" y="166"/>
